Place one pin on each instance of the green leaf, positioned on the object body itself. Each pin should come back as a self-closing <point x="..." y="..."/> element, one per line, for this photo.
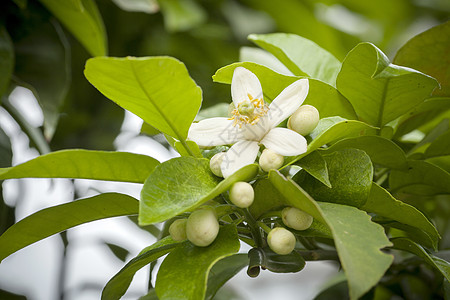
<point x="267" y="259"/>
<point x="267" y="198"/>
<point x="5" y="150"/>
<point x="384" y="204"/>
<point x="440" y="146"/>
<point x="191" y="145"/>
<point x="86" y="164"/>
<point x="316" y="166"/>
<point x="184" y="272"/>
<point x="436" y="262"/>
<point x="182" y="15"/>
<point x="149" y="129"/>
<point x="378" y="90"/>
<point x="422" y="178"/>
<point x="382" y="151"/>
<point x="120" y="252"/>
<point x="350" y="173"/>
<point x="428" y="53"/>
<point x="83" y="20"/>
<point x="182" y="184"/>
<point x="358" y="240"/>
<point x="118" y="285"/>
<point x="301" y="56"/>
<point x="157" y="89"/>
<point x="6" y="60"/>
<point x="146" y="6"/>
<point x="52" y="220"/>
<point x="328" y="101"/>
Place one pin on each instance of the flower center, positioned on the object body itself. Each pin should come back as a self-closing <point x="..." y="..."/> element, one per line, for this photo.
<point x="249" y="111"/>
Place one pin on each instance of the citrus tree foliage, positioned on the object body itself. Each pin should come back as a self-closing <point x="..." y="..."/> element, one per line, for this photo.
<point x="372" y="178"/>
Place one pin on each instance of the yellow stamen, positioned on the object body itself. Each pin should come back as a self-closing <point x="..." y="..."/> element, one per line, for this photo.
<point x="251" y="117"/>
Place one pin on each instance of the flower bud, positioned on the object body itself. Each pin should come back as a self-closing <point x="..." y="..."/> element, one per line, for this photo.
<point x="202" y="227"/>
<point x="296" y="218"/>
<point x="215" y="163"/>
<point x="281" y="241"/>
<point x="242" y="194"/>
<point x="270" y="160"/>
<point x="304" y="120"/>
<point x="177" y="230"/>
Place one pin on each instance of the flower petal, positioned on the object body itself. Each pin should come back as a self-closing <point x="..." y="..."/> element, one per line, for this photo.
<point x="214" y="132"/>
<point x="285" y="142"/>
<point x="288" y="101"/>
<point x="239" y="155"/>
<point x="244" y="83"/>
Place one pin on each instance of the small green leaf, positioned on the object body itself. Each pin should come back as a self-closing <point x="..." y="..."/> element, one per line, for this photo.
<point x="440" y="146"/>
<point x="6" y="59"/>
<point x="157" y="89"/>
<point x="52" y="220"/>
<point x="378" y="90"/>
<point x="315" y="165"/>
<point x="383" y="204"/>
<point x="301" y="56"/>
<point x="267" y="259"/>
<point x="5" y="150"/>
<point x="120" y="252"/>
<point x="85" y="164"/>
<point x="83" y="20"/>
<point x="328" y="101"/>
<point x="182" y="184"/>
<point x="358" y="240"/>
<point x="146" y="6"/>
<point x="118" y="285"/>
<point x="149" y="129"/>
<point x="350" y="173"/>
<point x="182" y="15"/>
<point x="184" y="272"/>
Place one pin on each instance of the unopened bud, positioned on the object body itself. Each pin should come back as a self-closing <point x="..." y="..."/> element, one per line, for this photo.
<point x="304" y="119"/>
<point x="281" y="241"/>
<point x="242" y="194"/>
<point x="296" y="218"/>
<point x="177" y="230"/>
<point x="270" y="160"/>
<point x="215" y="163"/>
<point x="202" y="227"/>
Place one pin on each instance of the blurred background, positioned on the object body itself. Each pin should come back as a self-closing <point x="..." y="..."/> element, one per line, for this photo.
<point x="48" y="105"/>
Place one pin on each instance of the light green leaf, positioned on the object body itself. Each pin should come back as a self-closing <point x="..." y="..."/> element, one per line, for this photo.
<point x="6" y="59"/>
<point x="218" y="110"/>
<point x="86" y="164"/>
<point x="300" y="55"/>
<point x="315" y="165"/>
<point x="182" y="15"/>
<point x="195" y="150"/>
<point x="382" y="151"/>
<point x="184" y="272"/>
<point x="118" y="285"/>
<point x="182" y="184"/>
<point x="157" y="89"/>
<point x="52" y="220"/>
<point x="428" y="53"/>
<point x="440" y="146"/>
<point x="358" y="240"/>
<point x="328" y="101"/>
<point x="149" y="129"/>
<point x="383" y="204"/>
<point x="378" y="90"/>
<point x="83" y="20"/>
<point x="146" y="6"/>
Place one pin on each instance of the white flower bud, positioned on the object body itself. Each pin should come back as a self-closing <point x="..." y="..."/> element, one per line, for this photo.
<point x="242" y="194"/>
<point x="304" y="120"/>
<point x="202" y="227"/>
<point x="281" y="241"/>
<point x="177" y="230"/>
<point x="270" y="160"/>
<point x="296" y="218"/>
<point x="215" y="163"/>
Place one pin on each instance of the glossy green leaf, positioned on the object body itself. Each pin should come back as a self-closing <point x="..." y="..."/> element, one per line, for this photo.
<point x="428" y="53"/>
<point x="118" y="285"/>
<point x="157" y="89"/>
<point x="83" y="20"/>
<point x="184" y="272"/>
<point x="436" y="262"/>
<point x="182" y="15"/>
<point x="328" y="101"/>
<point x="195" y="150"/>
<point x="316" y="166"/>
<point x="52" y="220"/>
<point x="440" y="146"/>
<point x="6" y="59"/>
<point x="182" y="184"/>
<point x="350" y="173"/>
<point x="301" y="56"/>
<point x="85" y="164"/>
<point x="267" y="198"/>
<point x="267" y="259"/>
<point x="378" y="90"/>
<point x="422" y="178"/>
<point x="384" y="204"/>
<point x="358" y="240"/>
<point x="382" y="151"/>
<point x="146" y="6"/>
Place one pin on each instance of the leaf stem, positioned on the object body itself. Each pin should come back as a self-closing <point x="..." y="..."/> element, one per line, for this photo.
<point x="256" y="233"/>
<point x="314" y="255"/>
<point x="264" y="227"/>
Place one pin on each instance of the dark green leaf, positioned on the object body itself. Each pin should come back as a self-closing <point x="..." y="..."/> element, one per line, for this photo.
<point x="267" y="198"/>
<point x="315" y="165"/>
<point x="52" y="220"/>
<point x="267" y="259"/>
<point x="182" y="15"/>
<point x="184" y="272"/>
<point x="5" y="150"/>
<point x="86" y="164"/>
<point x="6" y="60"/>
<point x="10" y="296"/>
<point x="440" y="146"/>
<point x="119" y="252"/>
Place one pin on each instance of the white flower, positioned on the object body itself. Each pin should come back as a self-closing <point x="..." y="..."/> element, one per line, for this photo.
<point x="253" y="123"/>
